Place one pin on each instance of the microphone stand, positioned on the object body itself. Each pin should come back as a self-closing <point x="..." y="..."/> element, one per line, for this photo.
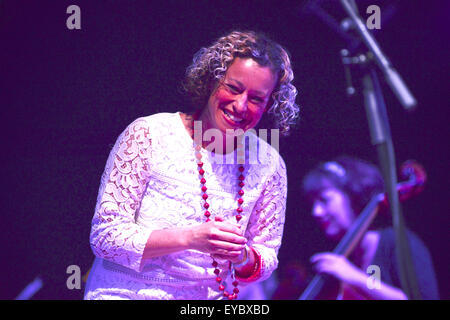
<point x="381" y="137"/>
<point x="392" y="77"/>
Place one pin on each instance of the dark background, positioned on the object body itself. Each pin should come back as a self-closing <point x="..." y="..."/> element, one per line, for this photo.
<point x="66" y="95"/>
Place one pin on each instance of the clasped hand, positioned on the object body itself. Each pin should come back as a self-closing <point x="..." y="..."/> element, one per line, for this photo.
<point x="221" y="239"/>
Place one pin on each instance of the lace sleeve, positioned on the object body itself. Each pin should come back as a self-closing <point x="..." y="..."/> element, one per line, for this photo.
<point x="265" y="229"/>
<point x="115" y="236"/>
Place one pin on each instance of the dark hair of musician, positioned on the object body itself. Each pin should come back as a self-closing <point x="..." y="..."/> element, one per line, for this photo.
<point x="359" y="179"/>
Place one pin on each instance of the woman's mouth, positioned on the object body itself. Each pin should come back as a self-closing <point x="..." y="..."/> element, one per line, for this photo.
<point x="324" y="224"/>
<point x="232" y="119"/>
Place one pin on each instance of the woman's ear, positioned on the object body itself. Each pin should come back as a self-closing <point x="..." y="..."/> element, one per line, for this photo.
<point x="269" y="104"/>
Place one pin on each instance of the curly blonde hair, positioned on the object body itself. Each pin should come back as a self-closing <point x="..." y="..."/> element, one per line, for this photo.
<point x="210" y="65"/>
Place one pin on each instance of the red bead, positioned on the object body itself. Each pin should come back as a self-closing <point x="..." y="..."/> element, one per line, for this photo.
<point x="204" y="188"/>
<point x="201" y="171"/>
<point x="231" y="297"/>
<point x="241" y="169"/>
<point x="221" y="287"/>
<point x="200" y="164"/>
<point x="205" y="196"/>
<point x="208" y="220"/>
<point x="215" y="264"/>
<point x="206" y="205"/>
<point x="225" y="294"/>
<point x="236" y="290"/>
<point x="216" y="271"/>
<point x="238" y="218"/>
<point x="239" y="210"/>
<point x="240" y="201"/>
<point x="241" y="192"/>
<point x="207" y="214"/>
<point x="219" y="279"/>
<point x="241" y="184"/>
<point x="241" y="177"/>
<point x="235" y="283"/>
<point x="203" y="181"/>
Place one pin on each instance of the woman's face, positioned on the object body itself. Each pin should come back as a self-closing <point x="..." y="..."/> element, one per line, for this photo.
<point x="331" y="208"/>
<point x="238" y="101"/>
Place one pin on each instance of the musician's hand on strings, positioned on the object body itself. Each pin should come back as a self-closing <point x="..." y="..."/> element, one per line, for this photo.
<point x="337" y="266"/>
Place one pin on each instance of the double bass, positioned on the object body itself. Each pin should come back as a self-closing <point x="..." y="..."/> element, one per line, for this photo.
<point x="416" y="177"/>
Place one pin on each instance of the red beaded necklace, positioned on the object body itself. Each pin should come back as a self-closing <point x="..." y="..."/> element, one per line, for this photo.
<point x="234" y="294"/>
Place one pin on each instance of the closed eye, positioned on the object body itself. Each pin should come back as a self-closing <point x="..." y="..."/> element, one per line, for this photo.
<point x="323" y="199"/>
<point x="233" y="88"/>
<point x="236" y="90"/>
<point x="257" y="99"/>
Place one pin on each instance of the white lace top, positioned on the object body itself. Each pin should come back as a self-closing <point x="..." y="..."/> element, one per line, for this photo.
<point x="151" y="182"/>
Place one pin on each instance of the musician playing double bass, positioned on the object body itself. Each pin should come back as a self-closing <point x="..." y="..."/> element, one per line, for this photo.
<point x="337" y="191"/>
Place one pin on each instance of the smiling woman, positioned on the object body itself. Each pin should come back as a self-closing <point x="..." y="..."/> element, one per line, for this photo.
<point x="242" y="95"/>
<point x="239" y="100"/>
<point x="226" y="58"/>
<point x="171" y="222"/>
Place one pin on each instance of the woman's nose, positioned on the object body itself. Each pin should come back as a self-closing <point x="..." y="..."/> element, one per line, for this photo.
<point x="317" y="210"/>
<point x="241" y="103"/>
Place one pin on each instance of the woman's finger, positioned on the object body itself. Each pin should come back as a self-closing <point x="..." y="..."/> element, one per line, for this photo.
<point x="225" y="246"/>
<point x="223" y="235"/>
<point x="231" y="255"/>
<point x="230" y="227"/>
